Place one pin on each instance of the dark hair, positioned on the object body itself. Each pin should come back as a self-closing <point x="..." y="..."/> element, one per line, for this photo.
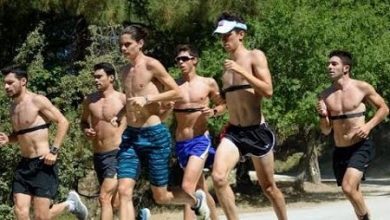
<point x="230" y="16"/>
<point x="137" y="32"/>
<point x="187" y="48"/>
<point x="107" y="67"/>
<point x="19" y="72"/>
<point x="345" y="56"/>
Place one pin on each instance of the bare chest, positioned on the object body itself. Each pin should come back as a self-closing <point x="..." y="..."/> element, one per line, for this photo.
<point x="136" y="80"/>
<point x="23" y="115"/>
<point x="105" y="108"/>
<point x="196" y="92"/>
<point x="345" y="101"/>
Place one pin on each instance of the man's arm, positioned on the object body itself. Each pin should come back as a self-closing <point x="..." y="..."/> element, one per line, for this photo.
<point x="166" y="110"/>
<point x="85" y="114"/>
<point x="372" y="97"/>
<point x="322" y="110"/>
<point x="172" y="91"/>
<point x="215" y="97"/>
<point x="261" y="79"/>
<point x="53" y="114"/>
<point x="6" y="139"/>
<point x="85" y="119"/>
<point x="122" y="114"/>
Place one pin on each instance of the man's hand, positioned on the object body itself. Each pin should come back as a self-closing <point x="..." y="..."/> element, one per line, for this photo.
<point x="138" y="102"/>
<point x="166" y="106"/>
<point x="89" y="132"/>
<point x="233" y="66"/>
<point x="3" y="139"/>
<point x="49" y="159"/>
<point x="208" y="112"/>
<point x="361" y="132"/>
<point x="321" y="108"/>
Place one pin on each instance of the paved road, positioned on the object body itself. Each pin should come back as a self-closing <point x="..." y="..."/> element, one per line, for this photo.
<point x="378" y="201"/>
<point x="379" y="206"/>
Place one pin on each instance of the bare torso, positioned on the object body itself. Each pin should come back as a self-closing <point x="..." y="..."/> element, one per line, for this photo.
<point x="244" y="106"/>
<point x="195" y="95"/>
<point x="102" y="110"/>
<point x="137" y="82"/>
<point x="25" y="114"/>
<point x="346" y="101"/>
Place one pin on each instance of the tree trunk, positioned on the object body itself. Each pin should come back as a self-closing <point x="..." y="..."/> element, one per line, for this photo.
<point x="309" y="169"/>
<point x="313" y="168"/>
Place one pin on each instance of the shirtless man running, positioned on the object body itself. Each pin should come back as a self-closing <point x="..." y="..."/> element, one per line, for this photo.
<point x="246" y="81"/>
<point x="146" y="141"/>
<point x="36" y="177"/>
<point x="99" y="123"/>
<point x="193" y="142"/>
<point x="341" y="108"/>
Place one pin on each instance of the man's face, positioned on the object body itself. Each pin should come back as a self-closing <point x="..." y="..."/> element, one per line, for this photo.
<point x="102" y="80"/>
<point x="13" y="86"/>
<point x="185" y="62"/>
<point x="231" y="40"/>
<point x="130" y="48"/>
<point x="336" y="68"/>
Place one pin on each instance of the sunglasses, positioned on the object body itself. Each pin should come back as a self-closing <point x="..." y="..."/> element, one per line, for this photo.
<point x="183" y="59"/>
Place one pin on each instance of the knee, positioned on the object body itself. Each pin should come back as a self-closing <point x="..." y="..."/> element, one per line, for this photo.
<point x="348" y="190"/>
<point x="219" y="179"/>
<point x="21" y="212"/>
<point x="269" y="189"/>
<point x="160" y="198"/>
<point x="105" y="199"/>
<point x="125" y="191"/>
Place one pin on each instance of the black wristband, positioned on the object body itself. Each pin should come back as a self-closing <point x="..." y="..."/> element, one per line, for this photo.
<point x="54" y="150"/>
<point x="322" y="116"/>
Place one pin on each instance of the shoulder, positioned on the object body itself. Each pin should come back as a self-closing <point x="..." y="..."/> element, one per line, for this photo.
<point x="258" y="54"/>
<point x="208" y="80"/>
<point x="120" y="95"/>
<point x="152" y="63"/>
<point x="40" y="101"/>
<point x="363" y="86"/>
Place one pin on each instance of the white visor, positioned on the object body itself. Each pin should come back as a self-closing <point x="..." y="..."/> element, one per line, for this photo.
<point x="225" y="26"/>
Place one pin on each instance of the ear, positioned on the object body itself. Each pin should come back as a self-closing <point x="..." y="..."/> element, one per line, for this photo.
<point x="346" y="68"/>
<point x="141" y="43"/>
<point x="112" y="78"/>
<point x="241" y="35"/>
<point x="23" y="81"/>
<point x="195" y="60"/>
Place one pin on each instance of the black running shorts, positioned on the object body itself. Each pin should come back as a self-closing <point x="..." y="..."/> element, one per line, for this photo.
<point x="256" y="140"/>
<point x="33" y="177"/>
<point x="105" y="165"/>
<point x="357" y="156"/>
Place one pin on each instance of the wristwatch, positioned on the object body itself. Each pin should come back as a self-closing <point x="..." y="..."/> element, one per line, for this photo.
<point x="54" y="150"/>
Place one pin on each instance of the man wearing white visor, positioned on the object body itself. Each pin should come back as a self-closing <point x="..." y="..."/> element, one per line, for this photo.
<point x="246" y="80"/>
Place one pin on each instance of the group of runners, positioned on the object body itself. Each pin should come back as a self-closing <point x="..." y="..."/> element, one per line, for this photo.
<point x="127" y="133"/>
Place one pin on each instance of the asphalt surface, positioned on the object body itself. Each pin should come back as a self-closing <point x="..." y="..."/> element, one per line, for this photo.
<point x="377" y="197"/>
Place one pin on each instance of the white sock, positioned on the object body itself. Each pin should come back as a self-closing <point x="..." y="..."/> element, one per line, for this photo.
<point x="71" y="205"/>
